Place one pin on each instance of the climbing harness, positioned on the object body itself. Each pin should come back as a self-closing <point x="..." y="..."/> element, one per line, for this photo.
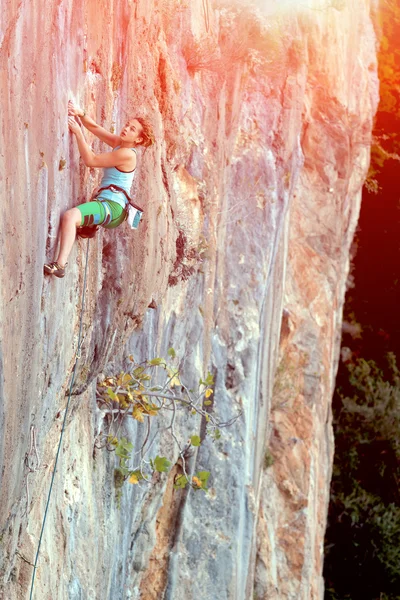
<point x="77" y="357"/>
<point x="133" y="212"/>
<point x="116" y="188"/>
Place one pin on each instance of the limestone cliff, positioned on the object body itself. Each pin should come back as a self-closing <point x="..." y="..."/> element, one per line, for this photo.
<point x="263" y="120"/>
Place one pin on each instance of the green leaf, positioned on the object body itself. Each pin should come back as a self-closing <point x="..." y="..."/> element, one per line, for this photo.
<point x="207" y="402"/>
<point x="161" y="464"/>
<point x="171" y="352"/>
<point x="121" y="452"/>
<point x="112" y="395"/>
<point x="203" y="476"/>
<point x="180" y="482"/>
<point x="195" y="440"/>
<point x="128" y="445"/>
<point x="156" y="361"/>
<point x="209" y="379"/>
<point x="137" y="372"/>
<point x="123" y="448"/>
<point x="124" y="470"/>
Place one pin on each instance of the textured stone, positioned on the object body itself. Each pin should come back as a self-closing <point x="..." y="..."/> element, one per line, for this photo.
<point x="252" y="194"/>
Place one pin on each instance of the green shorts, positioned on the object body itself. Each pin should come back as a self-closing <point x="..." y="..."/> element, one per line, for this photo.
<point x="102" y="212"/>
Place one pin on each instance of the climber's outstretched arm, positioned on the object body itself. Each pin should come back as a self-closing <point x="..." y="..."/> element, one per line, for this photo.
<point x="121" y="158"/>
<point x="105" y="136"/>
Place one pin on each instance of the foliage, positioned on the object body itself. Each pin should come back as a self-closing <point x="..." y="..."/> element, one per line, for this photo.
<point x="365" y="504"/>
<point x="148" y="390"/>
<point x="363" y="537"/>
<point x="389" y="56"/>
<point x="268" y="459"/>
<point x="386" y="142"/>
<point x="379" y="156"/>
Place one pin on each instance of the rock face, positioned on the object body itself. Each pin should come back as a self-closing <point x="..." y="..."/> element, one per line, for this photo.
<point x="252" y="192"/>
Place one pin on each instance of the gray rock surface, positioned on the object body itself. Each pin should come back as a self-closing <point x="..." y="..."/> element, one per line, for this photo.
<point x="263" y="121"/>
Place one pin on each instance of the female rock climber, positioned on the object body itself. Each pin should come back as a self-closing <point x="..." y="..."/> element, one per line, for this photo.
<point x="108" y="209"/>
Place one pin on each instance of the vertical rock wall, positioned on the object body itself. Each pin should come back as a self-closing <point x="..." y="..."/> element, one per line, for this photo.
<point x="324" y="211"/>
<point x="252" y="192"/>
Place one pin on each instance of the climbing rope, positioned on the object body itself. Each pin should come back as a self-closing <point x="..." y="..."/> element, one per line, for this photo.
<point x="77" y="357"/>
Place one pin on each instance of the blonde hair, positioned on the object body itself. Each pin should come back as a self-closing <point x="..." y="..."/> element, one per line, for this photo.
<point x="147" y="132"/>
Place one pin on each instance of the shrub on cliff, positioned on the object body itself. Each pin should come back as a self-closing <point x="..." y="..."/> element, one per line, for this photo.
<point x="363" y="537"/>
<point x="386" y="140"/>
<point x="150" y="389"/>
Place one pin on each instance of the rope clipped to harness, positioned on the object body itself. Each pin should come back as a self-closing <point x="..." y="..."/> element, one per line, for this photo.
<point x="77" y="357"/>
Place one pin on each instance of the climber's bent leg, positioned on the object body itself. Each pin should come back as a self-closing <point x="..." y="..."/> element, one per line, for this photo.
<point x="106" y="213"/>
<point x="102" y="212"/>
<point x="69" y="222"/>
<point x="92" y="213"/>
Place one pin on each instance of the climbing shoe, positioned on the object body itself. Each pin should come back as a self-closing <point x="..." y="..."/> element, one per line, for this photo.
<point x="54" y="269"/>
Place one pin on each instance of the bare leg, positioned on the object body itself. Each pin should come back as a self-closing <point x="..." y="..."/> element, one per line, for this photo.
<point x="69" y="222"/>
